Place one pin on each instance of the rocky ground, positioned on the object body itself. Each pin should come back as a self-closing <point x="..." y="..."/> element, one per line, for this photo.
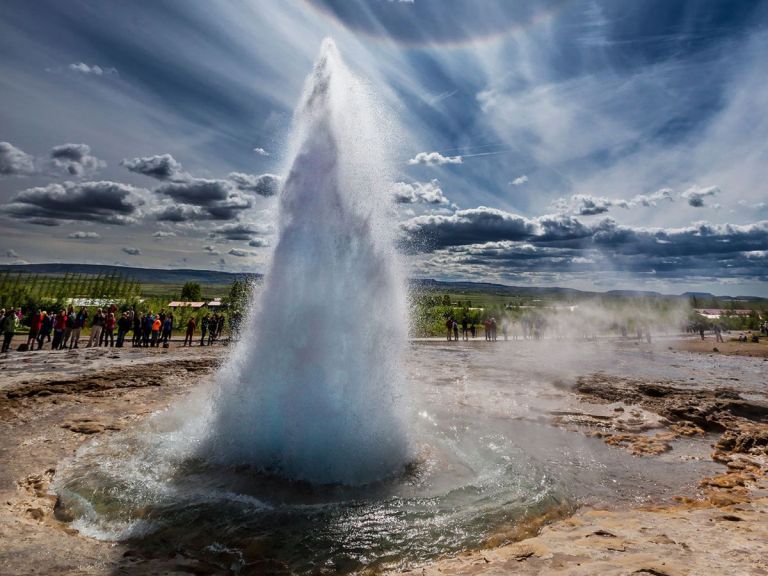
<point x="51" y="403"/>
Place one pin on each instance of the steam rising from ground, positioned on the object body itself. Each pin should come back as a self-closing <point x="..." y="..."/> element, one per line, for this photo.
<point x="314" y="389"/>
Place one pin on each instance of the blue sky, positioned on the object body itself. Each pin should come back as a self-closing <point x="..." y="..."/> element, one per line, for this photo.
<point x="594" y="144"/>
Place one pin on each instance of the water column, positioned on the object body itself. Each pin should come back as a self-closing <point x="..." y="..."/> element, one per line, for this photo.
<point x="315" y="390"/>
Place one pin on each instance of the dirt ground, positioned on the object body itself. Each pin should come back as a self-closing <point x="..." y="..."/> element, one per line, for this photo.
<point x="730" y="347"/>
<point x="50" y="404"/>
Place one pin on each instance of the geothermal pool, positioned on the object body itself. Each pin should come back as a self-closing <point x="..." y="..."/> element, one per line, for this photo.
<point x="488" y="460"/>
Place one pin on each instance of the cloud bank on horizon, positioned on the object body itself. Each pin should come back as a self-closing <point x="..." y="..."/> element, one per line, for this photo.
<point x="581" y="143"/>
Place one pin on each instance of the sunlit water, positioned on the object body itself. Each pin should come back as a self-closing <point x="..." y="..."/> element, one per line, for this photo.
<point x="489" y="458"/>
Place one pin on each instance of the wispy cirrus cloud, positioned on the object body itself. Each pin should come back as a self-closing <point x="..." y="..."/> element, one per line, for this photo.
<point x="91" y="69"/>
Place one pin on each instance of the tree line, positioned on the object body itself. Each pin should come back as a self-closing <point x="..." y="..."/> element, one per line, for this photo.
<point x="26" y="288"/>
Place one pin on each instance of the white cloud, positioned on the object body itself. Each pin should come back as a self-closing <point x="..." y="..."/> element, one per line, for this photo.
<point x="261" y="151"/>
<point x="433" y="159"/>
<point x="14" y="161"/>
<point x="419" y="193"/>
<point x="91" y="69"/>
<point x="520" y="180"/>
<point x="83" y="235"/>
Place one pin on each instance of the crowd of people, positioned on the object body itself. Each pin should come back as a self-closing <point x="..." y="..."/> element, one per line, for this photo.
<point x="529" y="328"/>
<point x="108" y="326"/>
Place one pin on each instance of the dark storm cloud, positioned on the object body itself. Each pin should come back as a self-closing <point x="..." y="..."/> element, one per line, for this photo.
<point x="471" y="226"/>
<point x="701" y="239"/>
<point x="561" y="243"/>
<point x="161" y="166"/>
<point x="585" y="205"/>
<point x="239" y="253"/>
<point x="132" y="251"/>
<point x="180" y="213"/>
<point x="100" y="201"/>
<point x="203" y="199"/>
<point x="15" y="162"/>
<point x="198" y="191"/>
<point x="75" y="159"/>
<point x="264" y="185"/>
<point x="259" y="243"/>
<point x="696" y="196"/>
<point x="239" y="231"/>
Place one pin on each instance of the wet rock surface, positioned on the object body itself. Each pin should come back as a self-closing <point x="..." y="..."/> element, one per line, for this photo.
<point x="721" y="530"/>
<point x="45" y="415"/>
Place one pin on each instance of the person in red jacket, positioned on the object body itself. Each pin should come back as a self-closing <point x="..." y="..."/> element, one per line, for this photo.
<point x="59" y="325"/>
<point x="109" y="330"/>
<point x="35" y="323"/>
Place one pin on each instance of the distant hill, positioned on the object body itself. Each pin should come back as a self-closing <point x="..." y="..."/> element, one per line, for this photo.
<point x="180" y="276"/>
<point x="143" y="275"/>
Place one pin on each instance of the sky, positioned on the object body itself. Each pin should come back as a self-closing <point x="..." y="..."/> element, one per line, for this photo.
<point x="594" y="144"/>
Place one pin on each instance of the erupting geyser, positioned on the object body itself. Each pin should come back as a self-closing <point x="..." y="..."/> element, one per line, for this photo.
<point x="314" y="390"/>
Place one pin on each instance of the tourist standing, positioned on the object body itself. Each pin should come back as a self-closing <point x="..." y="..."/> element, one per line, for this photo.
<point x="464" y="328"/>
<point x="157" y="324"/>
<point x="123" y="326"/>
<point x="97" y="325"/>
<point x="10" y="322"/>
<point x="455" y="331"/>
<point x="203" y="329"/>
<point x="146" y="328"/>
<point x="220" y="326"/>
<point x="68" y="325"/>
<point x="80" y="320"/>
<point x="190" y="331"/>
<point x="167" y="329"/>
<point x="136" y="329"/>
<point x="46" y="326"/>
<point x="59" y="325"/>
<point x="35" y="321"/>
<point x="109" y="329"/>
